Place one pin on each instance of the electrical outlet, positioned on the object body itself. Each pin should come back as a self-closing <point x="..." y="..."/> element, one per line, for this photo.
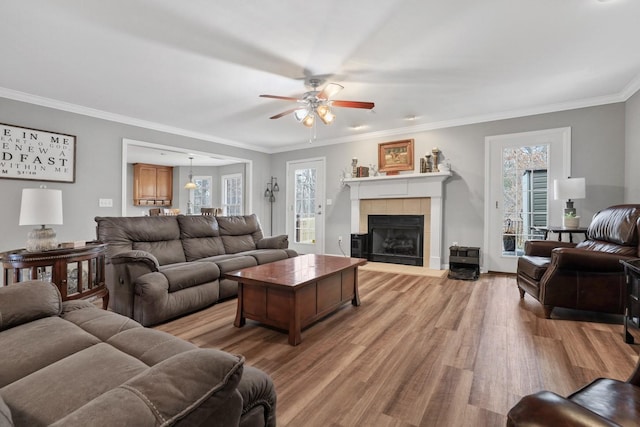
<point x="105" y="203"/>
<point x="339" y="239"/>
<point x="454" y="244"/>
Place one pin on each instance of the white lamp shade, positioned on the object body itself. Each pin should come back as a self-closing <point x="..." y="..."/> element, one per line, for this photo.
<point x="41" y="206"/>
<point x="569" y="189"/>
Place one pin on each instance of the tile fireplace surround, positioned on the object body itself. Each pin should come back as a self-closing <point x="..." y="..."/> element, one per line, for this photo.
<point x="409" y="194"/>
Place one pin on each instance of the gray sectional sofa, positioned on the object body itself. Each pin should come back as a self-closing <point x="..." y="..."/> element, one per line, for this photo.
<point x="73" y="364"/>
<point x="162" y="267"/>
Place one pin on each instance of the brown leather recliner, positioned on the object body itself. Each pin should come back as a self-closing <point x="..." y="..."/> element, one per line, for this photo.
<point x="603" y="402"/>
<point x="587" y="275"/>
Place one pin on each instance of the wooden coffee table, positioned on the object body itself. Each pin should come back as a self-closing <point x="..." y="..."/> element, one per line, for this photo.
<point x="293" y="293"/>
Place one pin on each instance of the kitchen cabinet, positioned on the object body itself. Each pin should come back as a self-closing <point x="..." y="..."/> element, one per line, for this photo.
<point x="152" y="185"/>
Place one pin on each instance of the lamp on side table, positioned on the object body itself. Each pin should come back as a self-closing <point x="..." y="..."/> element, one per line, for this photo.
<point x="41" y="206"/>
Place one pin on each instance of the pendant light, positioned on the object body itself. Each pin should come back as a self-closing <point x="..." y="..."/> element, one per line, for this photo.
<point x="190" y="185"/>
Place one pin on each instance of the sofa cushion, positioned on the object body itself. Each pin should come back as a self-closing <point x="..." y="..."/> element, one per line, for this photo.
<point x="149" y="345"/>
<point x="615" y="224"/>
<point x="102" y="324"/>
<point x="200" y="236"/>
<point x="167" y="393"/>
<point x="31" y="346"/>
<point x="23" y="302"/>
<point x="239" y="225"/>
<point x="235" y="263"/>
<point x="197" y="248"/>
<point x="166" y="251"/>
<point x="121" y="232"/>
<point x="81" y="376"/>
<point x="239" y="233"/>
<point x="614" y="248"/>
<point x="264" y="256"/>
<point x="235" y="244"/>
<point x="189" y="274"/>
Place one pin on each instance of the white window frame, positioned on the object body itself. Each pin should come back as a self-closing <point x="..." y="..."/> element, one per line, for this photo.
<point x="223" y="193"/>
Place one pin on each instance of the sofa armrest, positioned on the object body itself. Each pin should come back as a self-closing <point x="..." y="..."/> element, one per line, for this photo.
<point x="194" y="387"/>
<point x="127" y="267"/>
<point x="27" y="301"/>
<point x="545" y="408"/>
<point x="543" y="248"/>
<point x="585" y="260"/>
<point x="273" y="242"/>
<point x="141" y="257"/>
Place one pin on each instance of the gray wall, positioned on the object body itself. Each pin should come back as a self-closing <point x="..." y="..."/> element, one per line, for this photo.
<point x="598" y="143"/>
<point x="98" y="169"/>
<point x="632" y="153"/>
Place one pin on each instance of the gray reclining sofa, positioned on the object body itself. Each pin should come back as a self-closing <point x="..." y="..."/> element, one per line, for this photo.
<point x="162" y="267"/>
<point x="73" y="364"/>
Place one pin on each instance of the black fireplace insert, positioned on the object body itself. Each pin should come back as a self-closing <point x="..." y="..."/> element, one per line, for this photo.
<point x="396" y="239"/>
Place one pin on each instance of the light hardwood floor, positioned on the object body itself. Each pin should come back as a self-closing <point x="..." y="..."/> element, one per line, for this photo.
<point x="421" y="351"/>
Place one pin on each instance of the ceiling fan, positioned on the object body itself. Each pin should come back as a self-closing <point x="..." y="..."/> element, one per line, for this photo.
<point x="318" y="103"/>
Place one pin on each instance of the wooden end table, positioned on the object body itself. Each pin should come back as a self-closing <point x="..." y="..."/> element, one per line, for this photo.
<point x="293" y="293"/>
<point x="77" y="272"/>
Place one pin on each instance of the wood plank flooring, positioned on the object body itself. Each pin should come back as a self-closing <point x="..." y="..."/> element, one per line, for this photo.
<point x="421" y="351"/>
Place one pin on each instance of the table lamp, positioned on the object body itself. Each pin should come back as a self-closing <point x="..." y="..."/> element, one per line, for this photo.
<point x="569" y="189"/>
<point x="41" y="206"/>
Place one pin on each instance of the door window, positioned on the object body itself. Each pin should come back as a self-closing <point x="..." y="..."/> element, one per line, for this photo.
<point x="305" y="203"/>
<point x="524" y="178"/>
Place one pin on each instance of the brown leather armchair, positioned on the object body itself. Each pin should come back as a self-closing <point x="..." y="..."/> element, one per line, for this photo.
<point x="603" y="402"/>
<point x="587" y="275"/>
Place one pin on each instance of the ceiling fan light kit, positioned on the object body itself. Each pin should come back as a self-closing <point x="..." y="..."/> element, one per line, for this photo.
<point x="318" y="103"/>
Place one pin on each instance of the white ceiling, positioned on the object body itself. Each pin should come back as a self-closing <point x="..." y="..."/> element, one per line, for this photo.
<point x="197" y="67"/>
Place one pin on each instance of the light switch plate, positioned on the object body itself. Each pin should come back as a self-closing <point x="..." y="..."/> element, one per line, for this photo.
<point x="105" y="203"/>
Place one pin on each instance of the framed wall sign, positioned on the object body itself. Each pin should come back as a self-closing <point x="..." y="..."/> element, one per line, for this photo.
<point x="395" y="156"/>
<point x="37" y="155"/>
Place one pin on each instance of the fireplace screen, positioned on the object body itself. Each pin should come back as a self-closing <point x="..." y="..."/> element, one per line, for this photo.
<point x="396" y="239"/>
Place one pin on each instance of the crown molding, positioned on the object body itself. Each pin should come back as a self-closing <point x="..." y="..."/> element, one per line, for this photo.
<point x="545" y="109"/>
<point x="119" y="118"/>
<point x="629" y="90"/>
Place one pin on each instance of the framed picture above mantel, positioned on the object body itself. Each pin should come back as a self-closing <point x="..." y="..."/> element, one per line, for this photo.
<point x="395" y="156"/>
<point x="37" y="155"/>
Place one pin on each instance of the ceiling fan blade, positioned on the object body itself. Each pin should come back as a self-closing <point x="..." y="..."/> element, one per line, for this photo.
<point x="284" y="113"/>
<point x="330" y="90"/>
<point x="285" y="98"/>
<point x="353" y="104"/>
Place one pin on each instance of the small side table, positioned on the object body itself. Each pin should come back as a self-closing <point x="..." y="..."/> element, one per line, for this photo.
<point x="561" y="231"/>
<point x="77" y="272"/>
<point x="632" y="296"/>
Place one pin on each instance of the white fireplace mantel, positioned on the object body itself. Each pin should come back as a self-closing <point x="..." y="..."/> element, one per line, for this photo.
<point x="404" y="186"/>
